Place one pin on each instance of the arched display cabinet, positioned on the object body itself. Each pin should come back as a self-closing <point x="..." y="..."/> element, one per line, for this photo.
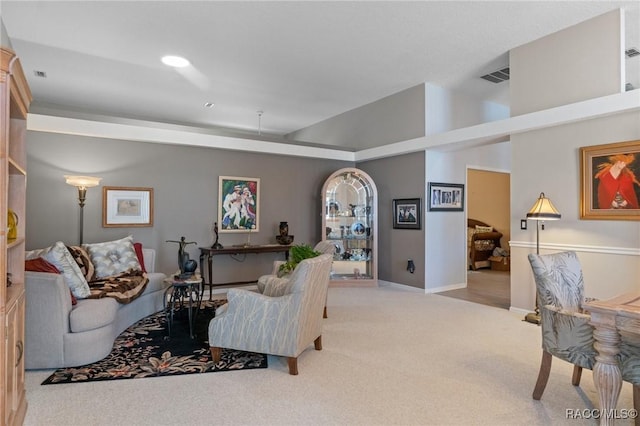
<point x="349" y="221"/>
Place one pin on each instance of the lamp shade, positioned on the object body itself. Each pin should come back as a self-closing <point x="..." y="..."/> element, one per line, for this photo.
<point x="543" y="209"/>
<point x="82" y="182"/>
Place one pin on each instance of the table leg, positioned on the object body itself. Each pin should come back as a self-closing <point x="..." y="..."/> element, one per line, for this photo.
<point x="606" y="372"/>
<point x="190" y="290"/>
<point x="209" y="258"/>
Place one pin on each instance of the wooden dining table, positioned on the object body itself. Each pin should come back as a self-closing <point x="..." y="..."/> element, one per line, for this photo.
<point x="610" y="318"/>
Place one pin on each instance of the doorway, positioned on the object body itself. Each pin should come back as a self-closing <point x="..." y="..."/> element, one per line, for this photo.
<point x="488" y="200"/>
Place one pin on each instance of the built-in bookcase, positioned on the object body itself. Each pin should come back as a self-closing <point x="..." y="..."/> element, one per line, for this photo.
<point x="15" y="98"/>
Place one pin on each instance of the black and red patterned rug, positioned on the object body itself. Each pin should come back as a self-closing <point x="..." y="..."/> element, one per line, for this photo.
<point x="144" y="350"/>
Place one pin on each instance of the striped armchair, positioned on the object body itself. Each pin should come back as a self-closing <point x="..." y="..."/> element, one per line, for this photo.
<point x="324" y="247"/>
<point x="283" y="321"/>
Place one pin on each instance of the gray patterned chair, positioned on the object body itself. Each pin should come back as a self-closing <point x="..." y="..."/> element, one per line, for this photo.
<point x="566" y="332"/>
<point x="324" y="247"/>
<point x="283" y="321"/>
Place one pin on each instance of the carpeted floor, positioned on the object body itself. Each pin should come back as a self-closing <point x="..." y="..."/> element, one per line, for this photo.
<point x="146" y="350"/>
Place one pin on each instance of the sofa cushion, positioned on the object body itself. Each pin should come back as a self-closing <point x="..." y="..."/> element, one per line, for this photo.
<point x="113" y="257"/>
<point x="73" y="277"/>
<point x="90" y="314"/>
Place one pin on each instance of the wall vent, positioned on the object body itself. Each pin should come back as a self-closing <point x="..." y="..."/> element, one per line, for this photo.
<point x="497" y="76"/>
<point x="632" y="52"/>
<point x="40" y="74"/>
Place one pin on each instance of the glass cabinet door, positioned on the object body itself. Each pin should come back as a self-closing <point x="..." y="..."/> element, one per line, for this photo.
<point x="349" y="221"/>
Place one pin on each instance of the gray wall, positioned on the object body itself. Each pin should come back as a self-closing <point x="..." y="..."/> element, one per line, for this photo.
<point x="394" y="118"/>
<point x="396" y="246"/>
<point x="185" y="183"/>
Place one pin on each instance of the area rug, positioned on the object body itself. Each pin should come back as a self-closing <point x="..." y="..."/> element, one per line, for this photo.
<point x="145" y="350"/>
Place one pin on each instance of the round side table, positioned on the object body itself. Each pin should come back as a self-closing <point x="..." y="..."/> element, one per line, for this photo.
<point x="181" y="295"/>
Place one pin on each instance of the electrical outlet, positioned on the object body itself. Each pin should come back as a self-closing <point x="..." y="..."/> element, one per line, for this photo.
<point x="523" y="223"/>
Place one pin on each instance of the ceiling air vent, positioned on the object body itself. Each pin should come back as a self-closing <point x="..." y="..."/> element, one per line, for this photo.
<point x="632" y="52"/>
<point x="497" y="76"/>
<point x="40" y="74"/>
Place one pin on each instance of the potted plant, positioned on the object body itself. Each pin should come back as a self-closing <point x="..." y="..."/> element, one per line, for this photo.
<point x="297" y="254"/>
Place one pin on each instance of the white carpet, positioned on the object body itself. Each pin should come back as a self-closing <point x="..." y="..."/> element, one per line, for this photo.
<point x="390" y="357"/>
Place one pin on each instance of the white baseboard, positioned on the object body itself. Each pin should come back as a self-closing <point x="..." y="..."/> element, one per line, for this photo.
<point x="383" y="283"/>
<point x="446" y="288"/>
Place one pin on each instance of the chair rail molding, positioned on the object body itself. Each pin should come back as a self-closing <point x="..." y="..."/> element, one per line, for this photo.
<point x="624" y="251"/>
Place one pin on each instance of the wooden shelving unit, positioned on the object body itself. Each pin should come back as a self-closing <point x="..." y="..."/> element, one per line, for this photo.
<point x="15" y="99"/>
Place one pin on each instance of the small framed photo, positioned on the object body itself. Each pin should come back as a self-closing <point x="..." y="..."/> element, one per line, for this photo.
<point x="446" y="197"/>
<point x="610" y="176"/>
<point x="407" y="213"/>
<point x="124" y="207"/>
<point x="238" y="204"/>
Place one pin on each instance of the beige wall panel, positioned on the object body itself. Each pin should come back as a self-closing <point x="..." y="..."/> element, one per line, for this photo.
<point x="581" y="62"/>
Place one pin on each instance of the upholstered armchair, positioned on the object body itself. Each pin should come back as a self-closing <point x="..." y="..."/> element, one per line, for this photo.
<point x="323" y="247"/>
<point x="566" y="332"/>
<point x="283" y="321"/>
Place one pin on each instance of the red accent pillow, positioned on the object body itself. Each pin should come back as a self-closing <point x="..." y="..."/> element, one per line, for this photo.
<point x="138" y="249"/>
<point x="42" y="265"/>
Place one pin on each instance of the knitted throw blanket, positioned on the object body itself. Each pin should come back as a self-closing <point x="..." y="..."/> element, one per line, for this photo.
<point x="124" y="288"/>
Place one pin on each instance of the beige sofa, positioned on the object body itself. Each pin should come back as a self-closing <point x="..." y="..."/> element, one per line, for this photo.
<point x="59" y="334"/>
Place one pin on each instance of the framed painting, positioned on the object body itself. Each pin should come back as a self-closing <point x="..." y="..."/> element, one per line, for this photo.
<point x="407" y="213"/>
<point x="446" y="197"/>
<point x="127" y="207"/>
<point x="238" y="204"/>
<point x="610" y="181"/>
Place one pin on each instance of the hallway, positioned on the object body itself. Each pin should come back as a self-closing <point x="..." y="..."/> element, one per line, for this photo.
<point x="486" y="287"/>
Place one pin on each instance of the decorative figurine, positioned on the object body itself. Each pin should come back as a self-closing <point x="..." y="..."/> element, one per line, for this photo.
<point x="187" y="266"/>
<point x="216" y="244"/>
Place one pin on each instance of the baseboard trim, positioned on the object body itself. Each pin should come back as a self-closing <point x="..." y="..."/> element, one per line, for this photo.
<point x="446" y="288"/>
<point x="383" y="283"/>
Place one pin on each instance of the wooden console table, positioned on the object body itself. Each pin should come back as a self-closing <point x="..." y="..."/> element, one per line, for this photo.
<point x="207" y="253"/>
<point x="610" y="317"/>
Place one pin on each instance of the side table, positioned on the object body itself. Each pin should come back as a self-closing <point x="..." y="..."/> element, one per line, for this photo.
<point x="180" y="293"/>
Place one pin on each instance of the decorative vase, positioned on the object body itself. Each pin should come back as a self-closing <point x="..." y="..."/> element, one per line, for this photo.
<point x="12" y="225"/>
<point x="284" y="229"/>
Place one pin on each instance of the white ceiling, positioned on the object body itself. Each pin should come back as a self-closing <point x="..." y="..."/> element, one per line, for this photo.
<point x="300" y="62"/>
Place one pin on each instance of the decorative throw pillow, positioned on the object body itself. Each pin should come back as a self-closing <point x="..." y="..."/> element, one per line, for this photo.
<point x="40" y="265"/>
<point x="34" y="254"/>
<point x="113" y="257"/>
<point x="484" y="228"/>
<point x="83" y="260"/>
<point x="138" y="248"/>
<point x="73" y="276"/>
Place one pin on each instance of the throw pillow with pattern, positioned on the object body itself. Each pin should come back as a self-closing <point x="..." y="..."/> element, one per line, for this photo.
<point x="113" y="257"/>
<point x="62" y="259"/>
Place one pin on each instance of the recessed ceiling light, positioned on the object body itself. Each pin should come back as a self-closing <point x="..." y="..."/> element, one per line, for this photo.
<point x="175" y="61"/>
<point x="209" y="104"/>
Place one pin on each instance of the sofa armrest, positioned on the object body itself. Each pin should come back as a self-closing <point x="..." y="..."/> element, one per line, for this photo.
<point x="48" y="304"/>
<point x="149" y="259"/>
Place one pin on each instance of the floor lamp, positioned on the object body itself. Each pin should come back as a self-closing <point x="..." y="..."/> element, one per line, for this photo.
<point x="82" y="183"/>
<point x="542" y="210"/>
